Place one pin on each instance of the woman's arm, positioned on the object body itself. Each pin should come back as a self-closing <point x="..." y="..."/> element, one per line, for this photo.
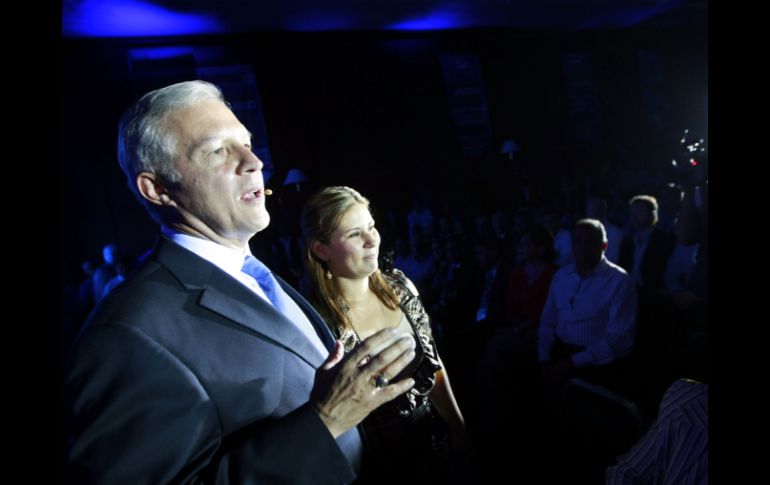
<point x="444" y="401"/>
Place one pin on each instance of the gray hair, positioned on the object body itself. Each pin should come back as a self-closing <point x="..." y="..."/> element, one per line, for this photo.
<point x="145" y="144"/>
<point x="595" y="226"/>
<point x="649" y="202"/>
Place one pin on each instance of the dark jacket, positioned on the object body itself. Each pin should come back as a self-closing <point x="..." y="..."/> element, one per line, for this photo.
<point x="654" y="259"/>
<point x="182" y="375"/>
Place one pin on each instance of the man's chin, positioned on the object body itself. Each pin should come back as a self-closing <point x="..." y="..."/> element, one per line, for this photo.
<point x="262" y="222"/>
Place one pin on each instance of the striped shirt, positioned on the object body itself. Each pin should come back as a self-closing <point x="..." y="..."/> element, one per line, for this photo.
<point x="597" y="312"/>
<point x="675" y="449"/>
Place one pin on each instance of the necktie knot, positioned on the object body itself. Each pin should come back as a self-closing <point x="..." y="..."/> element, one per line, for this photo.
<point x="254" y="268"/>
<point x="265" y="279"/>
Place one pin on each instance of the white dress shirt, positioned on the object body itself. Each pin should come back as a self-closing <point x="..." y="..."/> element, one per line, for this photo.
<point x="231" y="261"/>
<point x="228" y="260"/>
<point x="597" y="311"/>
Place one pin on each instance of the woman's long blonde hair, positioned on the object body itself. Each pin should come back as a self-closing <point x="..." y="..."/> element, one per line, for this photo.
<point x="321" y="216"/>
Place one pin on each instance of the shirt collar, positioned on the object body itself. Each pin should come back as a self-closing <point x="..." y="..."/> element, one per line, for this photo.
<point x="227" y="259"/>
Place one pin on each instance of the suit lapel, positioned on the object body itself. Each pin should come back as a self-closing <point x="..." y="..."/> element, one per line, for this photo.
<point x="318" y="322"/>
<point x="222" y="294"/>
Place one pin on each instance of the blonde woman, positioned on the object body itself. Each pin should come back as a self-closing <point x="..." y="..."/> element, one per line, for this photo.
<point x="357" y="299"/>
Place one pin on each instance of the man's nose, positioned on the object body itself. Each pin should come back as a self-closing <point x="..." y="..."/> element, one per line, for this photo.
<point x="249" y="161"/>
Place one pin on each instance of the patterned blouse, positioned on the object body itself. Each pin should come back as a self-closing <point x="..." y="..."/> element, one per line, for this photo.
<point x="426" y="359"/>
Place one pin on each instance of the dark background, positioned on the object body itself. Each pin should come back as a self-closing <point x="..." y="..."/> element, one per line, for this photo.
<point x="371" y="110"/>
<point x="370" y="107"/>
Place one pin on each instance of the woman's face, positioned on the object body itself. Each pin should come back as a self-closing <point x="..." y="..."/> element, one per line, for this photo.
<point x="353" y="247"/>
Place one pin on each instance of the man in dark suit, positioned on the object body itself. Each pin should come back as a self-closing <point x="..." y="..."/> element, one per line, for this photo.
<point x="196" y="369"/>
<point x="644" y="254"/>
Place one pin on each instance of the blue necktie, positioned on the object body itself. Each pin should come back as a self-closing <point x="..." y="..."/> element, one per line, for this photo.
<point x="265" y="279"/>
<point x="282" y="301"/>
<point x="350" y="441"/>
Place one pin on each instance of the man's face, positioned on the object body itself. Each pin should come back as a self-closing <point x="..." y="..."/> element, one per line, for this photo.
<point x="640" y="216"/>
<point x="220" y="194"/>
<point x="587" y="247"/>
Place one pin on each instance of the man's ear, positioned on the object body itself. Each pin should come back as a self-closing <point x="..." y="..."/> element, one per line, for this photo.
<point x="152" y="189"/>
<point x="320" y="249"/>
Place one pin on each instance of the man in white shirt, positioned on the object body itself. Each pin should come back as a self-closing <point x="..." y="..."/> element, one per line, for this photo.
<point x="589" y="319"/>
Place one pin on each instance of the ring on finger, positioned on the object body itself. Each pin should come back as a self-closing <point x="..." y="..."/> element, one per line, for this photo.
<point x="379" y="381"/>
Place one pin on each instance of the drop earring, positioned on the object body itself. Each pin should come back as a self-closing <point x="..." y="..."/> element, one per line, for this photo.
<point x="328" y="274"/>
